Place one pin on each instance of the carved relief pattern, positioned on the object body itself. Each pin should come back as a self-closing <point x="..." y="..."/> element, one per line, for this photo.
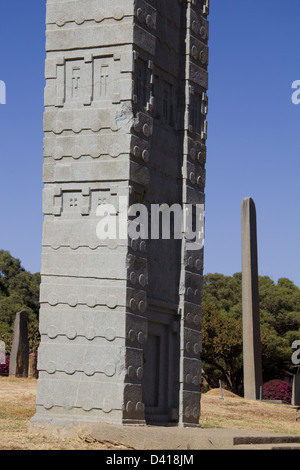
<point x="114" y="81"/>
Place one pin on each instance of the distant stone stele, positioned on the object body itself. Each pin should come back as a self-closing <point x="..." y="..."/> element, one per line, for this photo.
<point x="19" y="356"/>
<point x="251" y="320"/>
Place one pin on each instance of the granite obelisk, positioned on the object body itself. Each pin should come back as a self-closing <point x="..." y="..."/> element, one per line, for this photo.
<point x="250" y="293"/>
<point x="125" y="117"/>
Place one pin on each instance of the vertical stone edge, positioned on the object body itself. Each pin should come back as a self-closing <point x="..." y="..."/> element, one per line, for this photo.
<point x="193" y="173"/>
<point x="250" y="302"/>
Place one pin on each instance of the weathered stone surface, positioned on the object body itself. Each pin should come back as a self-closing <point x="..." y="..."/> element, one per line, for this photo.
<point x="19" y="356"/>
<point x="125" y="115"/>
<point x="251" y="321"/>
<point x="32" y="365"/>
<point x="296" y="390"/>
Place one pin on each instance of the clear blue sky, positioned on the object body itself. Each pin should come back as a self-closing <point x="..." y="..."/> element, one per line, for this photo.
<point x="253" y="132"/>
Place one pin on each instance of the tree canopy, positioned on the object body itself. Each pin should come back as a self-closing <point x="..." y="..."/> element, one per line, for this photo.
<point x="19" y="290"/>
<point x="222" y="354"/>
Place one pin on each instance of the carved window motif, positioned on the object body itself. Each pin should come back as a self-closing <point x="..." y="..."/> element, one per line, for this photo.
<point x="165" y="104"/>
<point x="102" y="79"/>
<point x="167" y="100"/>
<point x="101" y="201"/>
<point x="196" y="113"/>
<point x="193" y="115"/>
<point x="100" y="197"/>
<point x="156" y="94"/>
<point x="142" y="85"/>
<point x="74" y="81"/>
<point x="73" y="202"/>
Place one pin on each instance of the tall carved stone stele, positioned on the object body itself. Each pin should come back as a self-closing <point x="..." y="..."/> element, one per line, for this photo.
<point x="251" y="321"/>
<point x="19" y="355"/>
<point x="125" y="115"/>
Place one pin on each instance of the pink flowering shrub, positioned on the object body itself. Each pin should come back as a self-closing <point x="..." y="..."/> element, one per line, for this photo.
<point x="4" y="368"/>
<point x="277" y="390"/>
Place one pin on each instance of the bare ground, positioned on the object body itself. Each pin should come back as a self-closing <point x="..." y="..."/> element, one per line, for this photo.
<point x="17" y="406"/>
<point x="234" y="412"/>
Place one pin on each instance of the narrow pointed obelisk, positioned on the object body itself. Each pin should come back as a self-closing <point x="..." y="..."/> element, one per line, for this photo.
<point x="251" y="322"/>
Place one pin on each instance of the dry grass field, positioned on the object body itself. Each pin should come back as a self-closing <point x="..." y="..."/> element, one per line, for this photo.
<point x="17" y="406"/>
<point x="234" y="412"/>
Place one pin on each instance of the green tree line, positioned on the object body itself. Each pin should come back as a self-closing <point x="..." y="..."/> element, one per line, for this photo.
<point x="19" y="290"/>
<point x="222" y="328"/>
